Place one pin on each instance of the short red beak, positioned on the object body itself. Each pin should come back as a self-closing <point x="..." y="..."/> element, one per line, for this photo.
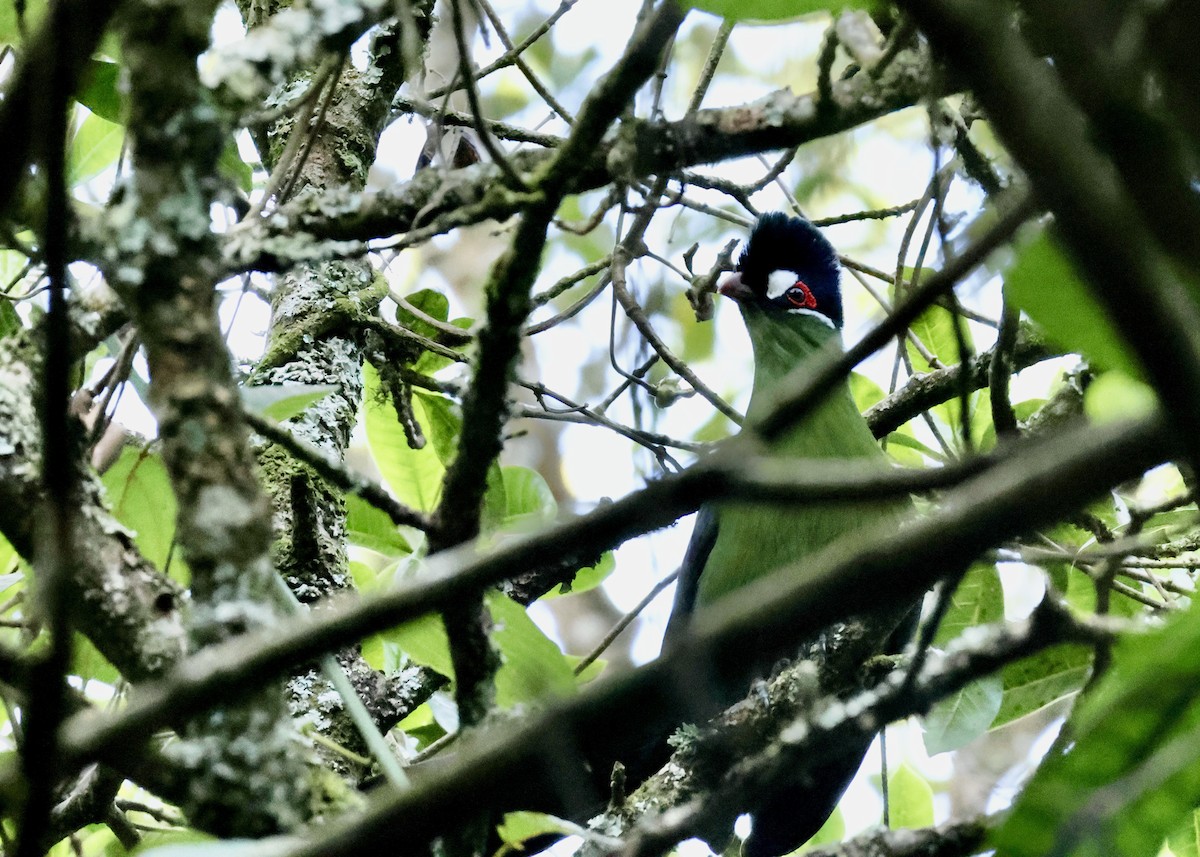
<point x="733" y="287"/>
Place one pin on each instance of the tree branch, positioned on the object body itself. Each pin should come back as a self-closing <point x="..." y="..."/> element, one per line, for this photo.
<point x="1049" y="480"/>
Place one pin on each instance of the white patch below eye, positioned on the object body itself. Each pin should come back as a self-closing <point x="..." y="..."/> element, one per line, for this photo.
<point x="779" y="282"/>
<point x="814" y="313"/>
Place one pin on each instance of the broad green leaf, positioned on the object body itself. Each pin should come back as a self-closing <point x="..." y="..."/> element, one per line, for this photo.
<point x="910" y="799"/>
<point x="935" y="329"/>
<point x="231" y="165"/>
<point x="517" y="828"/>
<point x="89" y="664"/>
<point x="440" y="422"/>
<point x="865" y="391"/>
<point x="10" y="321"/>
<point x="773" y="10"/>
<point x="1034" y="683"/>
<point x="1116" y="396"/>
<point x="370" y="528"/>
<point x="143" y="500"/>
<point x="832" y="831"/>
<point x="94" y="148"/>
<point x="528" y="499"/>
<point x="1133" y="770"/>
<point x="587" y="578"/>
<point x="978" y="599"/>
<point x="959" y="719"/>
<point x="1184" y="841"/>
<point x="433" y="304"/>
<point x="99" y="91"/>
<point x="591" y="672"/>
<point x="9" y="565"/>
<point x="10" y="31"/>
<point x="414" y="475"/>
<point x="365" y="578"/>
<point x="424" y="640"/>
<point x="533" y="666"/>
<point x="95" y="840"/>
<point x="1081" y="595"/>
<point x="437" y="306"/>
<point x="902" y="441"/>
<point x="283" y="401"/>
<point x="192" y="845"/>
<point x="1044" y="283"/>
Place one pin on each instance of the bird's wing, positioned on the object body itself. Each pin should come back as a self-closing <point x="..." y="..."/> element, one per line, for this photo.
<point x="704" y="536"/>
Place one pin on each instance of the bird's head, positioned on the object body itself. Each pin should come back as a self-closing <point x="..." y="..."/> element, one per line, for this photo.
<point x="787" y="268"/>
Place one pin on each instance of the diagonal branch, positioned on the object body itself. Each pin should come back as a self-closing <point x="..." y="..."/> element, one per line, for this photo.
<point x="1082" y="188"/>
<point x="781" y="120"/>
<point x="509" y="303"/>
<point x="1048" y="481"/>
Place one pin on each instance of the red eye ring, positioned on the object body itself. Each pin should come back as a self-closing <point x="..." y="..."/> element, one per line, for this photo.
<point x="809" y="302"/>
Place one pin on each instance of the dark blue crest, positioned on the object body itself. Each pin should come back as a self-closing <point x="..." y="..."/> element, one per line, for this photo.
<point x="779" y="243"/>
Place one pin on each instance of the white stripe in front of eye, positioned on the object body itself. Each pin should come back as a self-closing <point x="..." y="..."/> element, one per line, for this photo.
<point x="779" y="282"/>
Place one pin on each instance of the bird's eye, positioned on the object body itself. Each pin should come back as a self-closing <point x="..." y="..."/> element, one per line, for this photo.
<point x="800" y="296"/>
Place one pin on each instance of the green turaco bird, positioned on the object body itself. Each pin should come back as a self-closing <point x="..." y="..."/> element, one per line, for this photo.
<point x="786" y="287"/>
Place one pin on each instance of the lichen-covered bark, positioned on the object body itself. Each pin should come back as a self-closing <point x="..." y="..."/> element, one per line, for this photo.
<point x="125" y="606"/>
<point x="247" y="764"/>
<point x="313" y="339"/>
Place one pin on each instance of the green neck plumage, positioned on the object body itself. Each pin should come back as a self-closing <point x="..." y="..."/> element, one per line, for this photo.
<point x="781" y="343"/>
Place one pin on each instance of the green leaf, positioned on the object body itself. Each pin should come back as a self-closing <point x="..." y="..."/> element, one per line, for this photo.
<point x="10" y="32"/>
<point x="1044" y="283"/>
<point x="959" y="719"/>
<point x="772" y="10"/>
<point x="424" y="640"/>
<point x="1116" y="396"/>
<point x="935" y="328"/>
<point x="232" y="166"/>
<point x="900" y="441"/>
<point x="528" y="499"/>
<point x="1133" y="771"/>
<point x="191" y="844"/>
<point x="10" y="321"/>
<point x="440" y="420"/>
<point x="587" y="578"/>
<point x="89" y="664"/>
<point x="533" y="666"/>
<point x="910" y="799"/>
<point x="1081" y="594"/>
<point x="1033" y="683"/>
<point x="413" y="475"/>
<point x="591" y="672"/>
<point x="1184" y="841"/>
<point x="283" y="401"/>
<point x="99" y="91"/>
<point x="441" y="423"/>
<point x="94" y="148"/>
<point x="865" y="391"/>
<point x="831" y="832"/>
<point x="979" y="599"/>
<point x="433" y="304"/>
<point x="143" y="500"/>
<point x="371" y="528"/>
<point x="517" y="828"/>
